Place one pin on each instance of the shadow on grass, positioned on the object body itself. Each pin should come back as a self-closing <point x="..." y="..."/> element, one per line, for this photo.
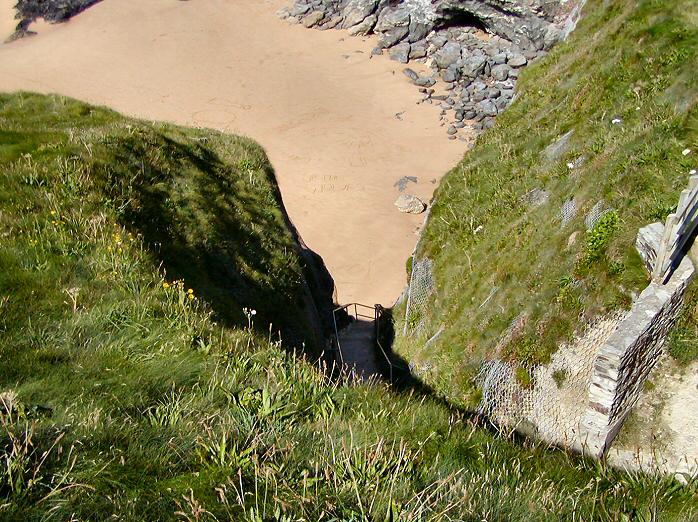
<point x="397" y="371"/>
<point x="221" y="227"/>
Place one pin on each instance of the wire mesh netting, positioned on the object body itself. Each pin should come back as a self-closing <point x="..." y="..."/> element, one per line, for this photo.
<point x="418" y="295"/>
<point x="550" y="397"/>
<point x="568" y="211"/>
<point x="596" y="213"/>
<point x="537" y="197"/>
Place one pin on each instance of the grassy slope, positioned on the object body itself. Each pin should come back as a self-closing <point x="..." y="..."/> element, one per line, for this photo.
<point x="125" y="399"/>
<point x="635" y="61"/>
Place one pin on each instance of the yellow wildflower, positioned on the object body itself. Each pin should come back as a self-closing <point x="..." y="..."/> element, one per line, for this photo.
<point x="190" y="291"/>
<point x="191" y="296"/>
<point x="165" y="285"/>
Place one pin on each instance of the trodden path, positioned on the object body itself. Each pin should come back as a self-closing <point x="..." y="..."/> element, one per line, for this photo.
<point x="324" y="112"/>
<point x="358" y="351"/>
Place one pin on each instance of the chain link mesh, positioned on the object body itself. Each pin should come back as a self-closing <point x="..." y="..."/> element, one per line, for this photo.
<point x="568" y="211"/>
<point x="551" y="397"/>
<point x="596" y="213"/>
<point x="537" y="197"/>
<point x="418" y="295"/>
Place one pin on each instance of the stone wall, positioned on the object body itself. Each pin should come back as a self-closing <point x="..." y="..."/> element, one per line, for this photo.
<point x="626" y="359"/>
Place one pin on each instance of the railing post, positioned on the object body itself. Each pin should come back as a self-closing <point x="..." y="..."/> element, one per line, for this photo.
<point x="664" y="249"/>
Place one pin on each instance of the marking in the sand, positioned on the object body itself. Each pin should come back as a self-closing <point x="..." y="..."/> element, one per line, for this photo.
<point x="329" y="183"/>
<point x="213" y="117"/>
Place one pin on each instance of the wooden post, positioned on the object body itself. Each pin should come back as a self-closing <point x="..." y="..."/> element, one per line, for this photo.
<point x="664" y="253"/>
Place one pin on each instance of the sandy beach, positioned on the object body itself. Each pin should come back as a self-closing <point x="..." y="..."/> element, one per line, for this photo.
<point x="7" y="20"/>
<point x="323" y="110"/>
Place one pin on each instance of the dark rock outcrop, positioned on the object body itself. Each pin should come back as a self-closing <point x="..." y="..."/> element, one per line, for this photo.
<point x="51" y="10"/>
<point x="476" y="47"/>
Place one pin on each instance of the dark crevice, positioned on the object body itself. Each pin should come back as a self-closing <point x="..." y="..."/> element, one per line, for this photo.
<point x="453" y="18"/>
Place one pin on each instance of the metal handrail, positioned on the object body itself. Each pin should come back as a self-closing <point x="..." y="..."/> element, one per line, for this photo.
<point x="377" y="310"/>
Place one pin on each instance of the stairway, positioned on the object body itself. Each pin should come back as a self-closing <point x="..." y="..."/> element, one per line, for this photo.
<point x="357" y="343"/>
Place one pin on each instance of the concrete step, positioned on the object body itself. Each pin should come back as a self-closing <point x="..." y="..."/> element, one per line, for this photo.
<point x="358" y="349"/>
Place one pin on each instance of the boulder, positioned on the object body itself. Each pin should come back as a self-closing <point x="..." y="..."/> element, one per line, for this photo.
<point x="390" y="18"/>
<point x="499" y="58"/>
<point x="517" y="60"/>
<point x="392" y="36"/>
<point x="418" y="31"/>
<point x="312" y="19"/>
<point x="409" y="204"/>
<point x="410" y="74"/>
<point x="487" y="107"/>
<point x="356" y="11"/>
<point x="438" y="41"/>
<point x="364" y="27"/>
<point x="332" y="22"/>
<point x="500" y="72"/>
<point x="299" y="10"/>
<point x="474" y="65"/>
<point x="447" y="55"/>
<point x="418" y="50"/>
<point x="400" y="53"/>
<point x="425" y="81"/>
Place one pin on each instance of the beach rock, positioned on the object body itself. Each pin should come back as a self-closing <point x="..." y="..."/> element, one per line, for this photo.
<point x="500" y="72"/>
<point x="487" y="107"/>
<point x="400" y="53"/>
<point x="51" y="10"/>
<point x="418" y="50"/>
<point x="418" y="31"/>
<point x="499" y="58"/>
<point x="447" y="55"/>
<point x="479" y="74"/>
<point x="390" y="18"/>
<point x="363" y="28"/>
<point x="517" y="60"/>
<point x="451" y="130"/>
<point x="474" y="65"/>
<point x="312" y="19"/>
<point x="438" y="41"/>
<point x="450" y="75"/>
<point x="425" y="81"/>
<point x="299" y="10"/>
<point x="355" y="12"/>
<point x="410" y="204"/>
<point x="410" y="74"/>
<point x="393" y="36"/>
<point x="332" y="22"/>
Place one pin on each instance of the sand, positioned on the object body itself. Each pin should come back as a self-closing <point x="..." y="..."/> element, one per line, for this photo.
<point x="7" y="20"/>
<point x="323" y="110"/>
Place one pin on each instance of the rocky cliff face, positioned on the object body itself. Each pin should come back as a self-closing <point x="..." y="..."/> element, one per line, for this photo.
<point x="475" y="46"/>
<point x="52" y="10"/>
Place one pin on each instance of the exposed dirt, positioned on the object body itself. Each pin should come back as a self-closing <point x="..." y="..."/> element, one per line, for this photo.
<point x="662" y="431"/>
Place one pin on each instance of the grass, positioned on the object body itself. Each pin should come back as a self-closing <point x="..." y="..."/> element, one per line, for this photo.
<point x="683" y="340"/>
<point x="622" y="87"/>
<point x="124" y="395"/>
